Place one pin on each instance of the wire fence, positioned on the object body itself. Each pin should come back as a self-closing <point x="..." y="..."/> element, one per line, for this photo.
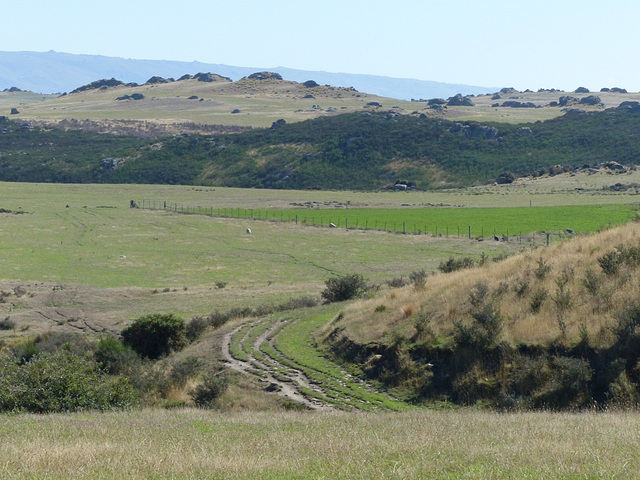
<point x="330" y="219"/>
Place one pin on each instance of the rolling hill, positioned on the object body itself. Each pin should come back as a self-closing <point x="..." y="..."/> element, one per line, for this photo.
<point x="57" y="72"/>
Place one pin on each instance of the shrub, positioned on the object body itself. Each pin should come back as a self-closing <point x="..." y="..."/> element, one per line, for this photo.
<point x="537" y="299"/>
<point x="454" y="264"/>
<point x="542" y="269"/>
<point x="155" y="335"/>
<point x="7" y="324"/>
<point x="113" y="356"/>
<point x="610" y="262"/>
<point x="339" y="289"/>
<point x="196" y="327"/>
<point x="60" y="382"/>
<point x="210" y="390"/>
<point x="592" y="282"/>
<point x="418" y="278"/>
<point x="184" y="370"/>
<point x="478" y="294"/>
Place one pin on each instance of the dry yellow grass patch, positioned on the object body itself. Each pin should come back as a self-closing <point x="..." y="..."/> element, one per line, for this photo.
<point x="555" y="276"/>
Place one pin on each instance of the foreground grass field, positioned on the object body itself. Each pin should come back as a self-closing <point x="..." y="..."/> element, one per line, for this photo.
<point x="191" y="444"/>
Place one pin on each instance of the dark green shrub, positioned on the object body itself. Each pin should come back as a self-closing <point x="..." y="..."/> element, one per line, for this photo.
<point x="196" y="327"/>
<point x="542" y="269"/>
<point x="627" y="322"/>
<point x="113" y="356"/>
<point x="478" y="294"/>
<point x="26" y="351"/>
<point x="418" y="278"/>
<point x="184" y="370"/>
<point x="154" y="336"/>
<point x="339" y="289"/>
<point x="592" y="282"/>
<point x="210" y="390"/>
<point x="568" y="384"/>
<point x="454" y="264"/>
<point x="537" y="299"/>
<point x="610" y="262"/>
<point x="60" y="382"/>
<point x="7" y="324"/>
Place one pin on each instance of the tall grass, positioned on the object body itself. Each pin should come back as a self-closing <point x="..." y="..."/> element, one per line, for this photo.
<point x="250" y="445"/>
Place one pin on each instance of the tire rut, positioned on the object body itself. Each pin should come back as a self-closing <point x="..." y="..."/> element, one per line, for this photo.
<point x="280" y="378"/>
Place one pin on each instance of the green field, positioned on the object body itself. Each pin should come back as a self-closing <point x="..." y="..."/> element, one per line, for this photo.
<point x="448" y="221"/>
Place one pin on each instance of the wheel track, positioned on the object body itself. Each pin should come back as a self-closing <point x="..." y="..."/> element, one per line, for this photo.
<point x="280" y="378"/>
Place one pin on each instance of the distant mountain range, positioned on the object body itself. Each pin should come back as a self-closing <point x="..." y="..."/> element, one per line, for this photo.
<point x="55" y="72"/>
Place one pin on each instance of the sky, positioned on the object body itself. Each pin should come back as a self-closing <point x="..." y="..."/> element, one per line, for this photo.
<point x="532" y="44"/>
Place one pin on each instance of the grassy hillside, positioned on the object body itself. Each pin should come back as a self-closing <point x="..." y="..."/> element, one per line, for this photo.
<point x="258" y="103"/>
<point x="553" y="327"/>
<point x="358" y="151"/>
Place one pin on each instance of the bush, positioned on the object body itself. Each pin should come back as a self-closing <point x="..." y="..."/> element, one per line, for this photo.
<point x="344" y="288"/>
<point x="154" y="336"/>
<point x="454" y="264"/>
<point x="195" y="328"/>
<point x="60" y="382"/>
<point x="7" y="324"/>
<point x="113" y="356"/>
<point x="210" y="390"/>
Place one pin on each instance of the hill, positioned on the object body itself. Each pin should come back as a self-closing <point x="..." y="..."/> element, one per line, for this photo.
<point x="365" y="150"/>
<point x="549" y="328"/>
<point x="56" y="72"/>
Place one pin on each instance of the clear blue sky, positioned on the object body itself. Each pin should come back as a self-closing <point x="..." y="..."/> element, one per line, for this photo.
<point x="524" y="44"/>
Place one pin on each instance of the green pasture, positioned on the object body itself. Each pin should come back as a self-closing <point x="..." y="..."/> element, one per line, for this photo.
<point x="88" y="235"/>
<point x="456" y="222"/>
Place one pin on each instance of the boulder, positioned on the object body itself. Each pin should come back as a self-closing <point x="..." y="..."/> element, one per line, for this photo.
<point x="582" y="90"/>
<point x="14" y="111"/>
<point x="310" y="84"/>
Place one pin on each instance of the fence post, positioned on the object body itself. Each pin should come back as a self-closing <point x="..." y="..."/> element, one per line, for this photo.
<point x="469" y="232"/>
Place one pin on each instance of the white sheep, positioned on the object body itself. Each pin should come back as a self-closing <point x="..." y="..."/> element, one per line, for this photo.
<point x="249" y="231"/>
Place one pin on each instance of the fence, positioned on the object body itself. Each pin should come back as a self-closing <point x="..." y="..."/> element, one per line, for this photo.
<point x="327" y="218"/>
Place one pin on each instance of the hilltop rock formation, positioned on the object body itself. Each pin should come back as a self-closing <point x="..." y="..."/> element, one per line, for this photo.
<point x="460" y="101"/>
<point x="155" y="80"/>
<point x="265" y="76"/>
<point x="102" y="84"/>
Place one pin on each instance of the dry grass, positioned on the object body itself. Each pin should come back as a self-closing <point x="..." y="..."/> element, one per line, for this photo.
<point x="568" y="311"/>
<point x="249" y="445"/>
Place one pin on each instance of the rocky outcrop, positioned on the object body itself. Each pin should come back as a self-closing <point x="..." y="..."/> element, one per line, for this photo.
<point x="265" y="76"/>
<point x="133" y="96"/>
<point x="476" y="131"/>
<point x="459" y="101"/>
<point x="590" y="100"/>
<point x="157" y="80"/>
<point x="102" y="84"/>
<point x="567" y="100"/>
<point x="582" y="90"/>
<point x="310" y="84"/>
<point x="517" y="104"/>
<point x="631" y="106"/>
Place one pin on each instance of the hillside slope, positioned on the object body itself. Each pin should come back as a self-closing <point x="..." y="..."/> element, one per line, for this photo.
<point x="553" y="327"/>
<point x="367" y="150"/>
